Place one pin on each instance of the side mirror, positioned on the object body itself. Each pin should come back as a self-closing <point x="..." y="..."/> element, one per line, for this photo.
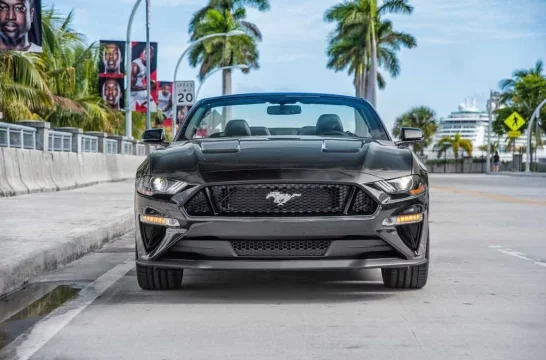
<point x="410" y="135"/>
<point x="154" y="136"/>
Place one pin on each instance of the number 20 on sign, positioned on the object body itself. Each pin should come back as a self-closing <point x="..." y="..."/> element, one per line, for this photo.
<point x="185" y="93"/>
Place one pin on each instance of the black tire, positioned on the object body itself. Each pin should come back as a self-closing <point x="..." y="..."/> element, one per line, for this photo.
<point x="413" y="277"/>
<point x="151" y="278"/>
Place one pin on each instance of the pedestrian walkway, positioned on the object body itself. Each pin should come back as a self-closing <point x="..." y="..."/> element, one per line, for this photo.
<point x="39" y="232"/>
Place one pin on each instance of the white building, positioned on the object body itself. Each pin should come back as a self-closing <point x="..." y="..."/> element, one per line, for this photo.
<point x="471" y="123"/>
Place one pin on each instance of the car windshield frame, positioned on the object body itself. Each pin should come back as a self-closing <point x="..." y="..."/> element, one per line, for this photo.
<point x="365" y="110"/>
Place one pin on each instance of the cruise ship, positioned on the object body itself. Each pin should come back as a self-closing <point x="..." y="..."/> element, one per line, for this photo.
<point x="471" y="123"/>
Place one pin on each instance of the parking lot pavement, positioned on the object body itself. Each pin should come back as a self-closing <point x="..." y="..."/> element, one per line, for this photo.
<point x="484" y="300"/>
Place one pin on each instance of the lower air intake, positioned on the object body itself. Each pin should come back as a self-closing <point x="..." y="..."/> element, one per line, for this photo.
<point x="284" y="248"/>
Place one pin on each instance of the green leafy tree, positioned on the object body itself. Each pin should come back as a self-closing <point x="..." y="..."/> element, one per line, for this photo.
<point x="222" y="16"/>
<point x="456" y="144"/>
<point x="522" y="93"/>
<point x="421" y="117"/>
<point x="494" y="147"/>
<point x="60" y="84"/>
<point x="346" y="52"/>
<point x="359" y="22"/>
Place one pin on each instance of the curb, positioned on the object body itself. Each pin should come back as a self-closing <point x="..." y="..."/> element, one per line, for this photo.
<point x="519" y="174"/>
<point x="77" y="244"/>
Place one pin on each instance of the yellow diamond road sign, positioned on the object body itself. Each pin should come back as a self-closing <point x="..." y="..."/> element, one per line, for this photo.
<point x="514" y="121"/>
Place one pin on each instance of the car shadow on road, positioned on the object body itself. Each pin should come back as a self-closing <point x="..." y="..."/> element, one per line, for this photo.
<point x="213" y="287"/>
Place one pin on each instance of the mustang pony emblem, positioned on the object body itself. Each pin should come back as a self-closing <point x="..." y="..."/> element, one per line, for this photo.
<point x="280" y="198"/>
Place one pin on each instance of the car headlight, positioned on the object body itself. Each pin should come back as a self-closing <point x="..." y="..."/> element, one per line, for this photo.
<point x="153" y="185"/>
<point x="412" y="185"/>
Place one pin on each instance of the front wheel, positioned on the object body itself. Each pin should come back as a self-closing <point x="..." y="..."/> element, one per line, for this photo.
<point x="413" y="277"/>
<point x="151" y="278"/>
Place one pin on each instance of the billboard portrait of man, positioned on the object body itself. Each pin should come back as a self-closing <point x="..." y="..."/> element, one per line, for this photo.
<point x="112" y="92"/>
<point x="139" y="64"/>
<point x="111" y="63"/>
<point x="20" y="25"/>
<point x="165" y="101"/>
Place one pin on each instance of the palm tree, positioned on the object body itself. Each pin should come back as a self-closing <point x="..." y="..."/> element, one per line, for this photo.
<point x="346" y="51"/>
<point x="221" y="16"/>
<point x="494" y="147"/>
<point x="23" y="86"/>
<point x="421" y="117"/>
<point x="58" y="85"/>
<point x="361" y="19"/>
<point x="455" y="144"/>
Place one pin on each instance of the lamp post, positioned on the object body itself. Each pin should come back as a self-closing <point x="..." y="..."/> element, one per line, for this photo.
<point x="196" y="42"/>
<point x="128" y="55"/>
<point x="529" y="130"/>
<point x="492" y="105"/>
<point x="240" y="66"/>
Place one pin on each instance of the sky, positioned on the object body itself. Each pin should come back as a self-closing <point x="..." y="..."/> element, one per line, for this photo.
<point x="464" y="47"/>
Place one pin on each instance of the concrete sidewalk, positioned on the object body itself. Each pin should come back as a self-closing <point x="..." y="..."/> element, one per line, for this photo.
<point x="39" y="232"/>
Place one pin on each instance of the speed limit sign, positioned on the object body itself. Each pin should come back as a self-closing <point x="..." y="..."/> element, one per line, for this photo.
<point x="184" y="91"/>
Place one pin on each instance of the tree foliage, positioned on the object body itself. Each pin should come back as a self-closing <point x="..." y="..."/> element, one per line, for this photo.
<point x="455" y="143"/>
<point x="363" y="41"/>
<point x="223" y="16"/>
<point x="59" y="85"/>
<point x="523" y="92"/>
<point x="421" y="117"/>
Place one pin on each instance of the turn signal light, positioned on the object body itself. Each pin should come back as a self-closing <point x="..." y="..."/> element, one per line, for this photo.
<point x="403" y="219"/>
<point x="157" y="220"/>
<point x="419" y="190"/>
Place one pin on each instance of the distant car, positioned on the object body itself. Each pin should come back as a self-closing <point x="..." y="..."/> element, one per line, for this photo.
<point x="283" y="181"/>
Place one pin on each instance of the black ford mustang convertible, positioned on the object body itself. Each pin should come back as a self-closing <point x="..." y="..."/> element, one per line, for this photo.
<point x="283" y="181"/>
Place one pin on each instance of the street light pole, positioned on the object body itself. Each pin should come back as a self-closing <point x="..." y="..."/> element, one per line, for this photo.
<point x="196" y="42"/>
<point x="529" y="130"/>
<point x="148" y="65"/>
<point x="128" y="55"/>
<point x="492" y="104"/>
<point x="241" y="66"/>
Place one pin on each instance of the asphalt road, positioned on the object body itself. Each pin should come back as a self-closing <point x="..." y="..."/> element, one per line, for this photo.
<point x="485" y="298"/>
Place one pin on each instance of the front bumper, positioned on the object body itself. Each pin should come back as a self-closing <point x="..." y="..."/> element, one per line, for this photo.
<point x="357" y="242"/>
<point x="282" y="264"/>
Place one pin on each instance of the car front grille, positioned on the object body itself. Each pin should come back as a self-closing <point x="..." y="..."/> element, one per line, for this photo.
<point x="291" y="200"/>
<point x="284" y="248"/>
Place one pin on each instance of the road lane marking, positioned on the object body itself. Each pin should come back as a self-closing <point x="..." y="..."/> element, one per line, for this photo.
<point x="517" y="254"/>
<point x="490" y="196"/>
<point x="30" y="342"/>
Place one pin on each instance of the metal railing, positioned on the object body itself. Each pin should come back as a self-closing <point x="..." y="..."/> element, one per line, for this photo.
<point x="141" y="150"/>
<point x="60" y="141"/>
<point x="90" y="144"/>
<point x="17" y="136"/>
<point x="111" y="146"/>
<point x="127" y="148"/>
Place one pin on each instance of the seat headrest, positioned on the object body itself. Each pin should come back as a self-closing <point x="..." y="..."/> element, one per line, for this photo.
<point x="307" y="130"/>
<point x="259" y="131"/>
<point x="237" y="127"/>
<point x="329" y="122"/>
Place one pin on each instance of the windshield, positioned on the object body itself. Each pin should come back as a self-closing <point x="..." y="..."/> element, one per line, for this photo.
<point x="294" y="117"/>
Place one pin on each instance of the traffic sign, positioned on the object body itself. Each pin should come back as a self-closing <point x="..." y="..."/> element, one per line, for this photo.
<point x="514" y="121"/>
<point x="514" y="134"/>
<point x="184" y="93"/>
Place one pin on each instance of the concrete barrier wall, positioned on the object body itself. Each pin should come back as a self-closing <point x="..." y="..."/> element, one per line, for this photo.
<point x="30" y="171"/>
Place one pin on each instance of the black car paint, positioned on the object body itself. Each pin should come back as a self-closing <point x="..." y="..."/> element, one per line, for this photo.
<point x="202" y="162"/>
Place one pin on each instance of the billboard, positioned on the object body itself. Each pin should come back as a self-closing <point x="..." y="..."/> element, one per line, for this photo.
<point x="112" y="59"/>
<point x="165" y="102"/>
<point x="21" y="25"/>
<point x="139" y="63"/>
<point x="111" y="91"/>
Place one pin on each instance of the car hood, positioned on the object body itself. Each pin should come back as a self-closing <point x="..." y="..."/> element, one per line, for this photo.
<point x="309" y="158"/>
